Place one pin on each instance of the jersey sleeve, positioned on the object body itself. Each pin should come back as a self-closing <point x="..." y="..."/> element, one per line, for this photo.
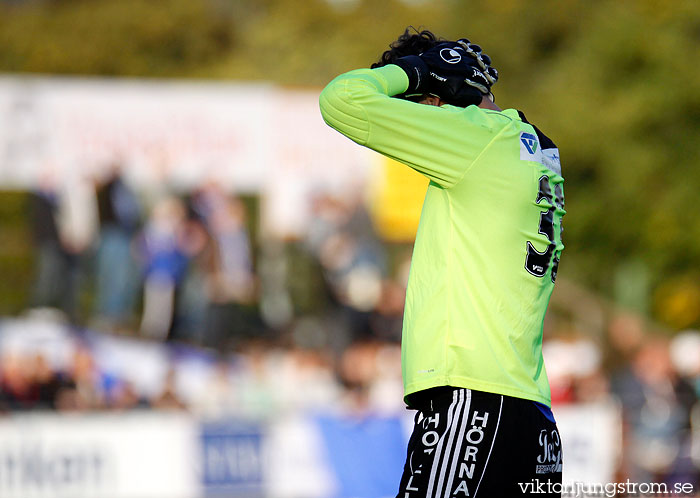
<point x="439" y="142"/>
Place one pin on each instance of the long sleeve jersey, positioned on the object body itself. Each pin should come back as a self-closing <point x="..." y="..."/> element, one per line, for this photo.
<point x="489" y="238"/>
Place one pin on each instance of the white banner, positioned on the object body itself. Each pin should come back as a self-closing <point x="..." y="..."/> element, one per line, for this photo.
<point x="173" y="132"/>
<point x="143" y="455"/>
<point x="591" y="436"/>
<point x="181" y="134"/>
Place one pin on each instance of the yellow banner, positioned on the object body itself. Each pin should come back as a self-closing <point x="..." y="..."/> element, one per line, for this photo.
<point x="397" y="199"/>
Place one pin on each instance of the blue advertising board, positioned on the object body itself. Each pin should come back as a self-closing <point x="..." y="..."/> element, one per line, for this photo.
<point x="232" y="461"/>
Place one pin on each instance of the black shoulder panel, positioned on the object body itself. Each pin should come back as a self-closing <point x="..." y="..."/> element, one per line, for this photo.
<point x="545" y="141"/>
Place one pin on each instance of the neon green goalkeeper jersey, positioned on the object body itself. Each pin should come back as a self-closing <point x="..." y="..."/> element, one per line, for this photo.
<point x="489" y="239"/>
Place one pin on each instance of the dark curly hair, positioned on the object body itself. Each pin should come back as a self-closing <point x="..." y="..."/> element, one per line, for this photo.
<point x="411" y="42"/>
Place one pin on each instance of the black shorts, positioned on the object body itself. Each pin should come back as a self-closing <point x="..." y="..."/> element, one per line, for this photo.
<point x="472" y="443"/>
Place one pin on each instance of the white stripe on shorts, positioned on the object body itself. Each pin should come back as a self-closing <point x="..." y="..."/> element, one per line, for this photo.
<point x="449" y="454"/>
<point x="460" y="438"/>
<point x="438" y="450"/>
<point x="500" y="409"/>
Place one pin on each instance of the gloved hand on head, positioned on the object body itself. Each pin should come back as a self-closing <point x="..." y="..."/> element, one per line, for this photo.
<point x="457" y="72"/>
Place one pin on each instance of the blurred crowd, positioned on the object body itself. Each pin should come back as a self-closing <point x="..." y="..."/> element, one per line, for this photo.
<point x="652" y="380"/>
<point x="187" y="267"/>
<point x="92" y="372"/>
<point x="31" y="382"/>
<point x="178" y="271"/>
<point x="167" y="267"/>
<point x="236" y="324"/>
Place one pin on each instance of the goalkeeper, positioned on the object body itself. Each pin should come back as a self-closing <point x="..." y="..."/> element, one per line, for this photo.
<point x="483" y="267"/>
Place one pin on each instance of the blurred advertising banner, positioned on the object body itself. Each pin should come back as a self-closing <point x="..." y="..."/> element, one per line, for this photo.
<point x="246" y="137"/>
<point x="591" y="436"/>
<point x="145" y="455"/>
<point x="160" y="131"/>
<point x="232" y="459"/>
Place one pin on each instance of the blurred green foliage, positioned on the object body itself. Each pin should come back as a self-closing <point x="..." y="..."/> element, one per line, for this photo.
<point x="128" y="37"/>
<point x="16" y="256"/>
<point x="616" y="83"/>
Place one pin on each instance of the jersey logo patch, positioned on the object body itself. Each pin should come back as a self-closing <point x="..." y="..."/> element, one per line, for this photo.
<point x="530" y="147"/>
<point x="529" y="141"/>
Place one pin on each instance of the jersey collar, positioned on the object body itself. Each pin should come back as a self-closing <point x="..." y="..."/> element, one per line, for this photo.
<point x="512" y="113"/>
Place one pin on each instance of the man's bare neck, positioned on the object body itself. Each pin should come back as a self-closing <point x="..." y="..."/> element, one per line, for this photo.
<point x="487" y="104"/>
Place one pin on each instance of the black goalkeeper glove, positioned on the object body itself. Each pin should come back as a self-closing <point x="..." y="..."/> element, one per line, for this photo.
<point x="457" y="72"/>
<point x="483" y="62"/>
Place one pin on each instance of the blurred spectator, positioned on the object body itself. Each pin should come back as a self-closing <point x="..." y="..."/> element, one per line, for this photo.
<point x="168" y="399"/>
<point x="574" y="369"/>
<point x="192" y="298"/>
<point x="125" y="397"/>
<point x="51" y="261"/>
<point x="656" y="412"/>
<point x="28" y="382"/>
<point x="17" y="390"/>
<point x="231" y="284"/>
<point x="356" y="369"/>
<point x="257" y="381"/>
<point x="626" y="334"/>
<point x="68" y="399"/>
<point x="685" y="356"/>
<point x="87" y="385"/>
<point x="116" y="274"/>
<point x="370" y="372"/>
<point x="353" y="263"/>
<point x="386" y="320"/>
<point x="386" y="389"/>
<point x="310" y="368"/>
<point x="218" y="398"/>
<point x="164" y="263"/>
<point x="47" y="382"/>
<point x="77" y="224"/>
